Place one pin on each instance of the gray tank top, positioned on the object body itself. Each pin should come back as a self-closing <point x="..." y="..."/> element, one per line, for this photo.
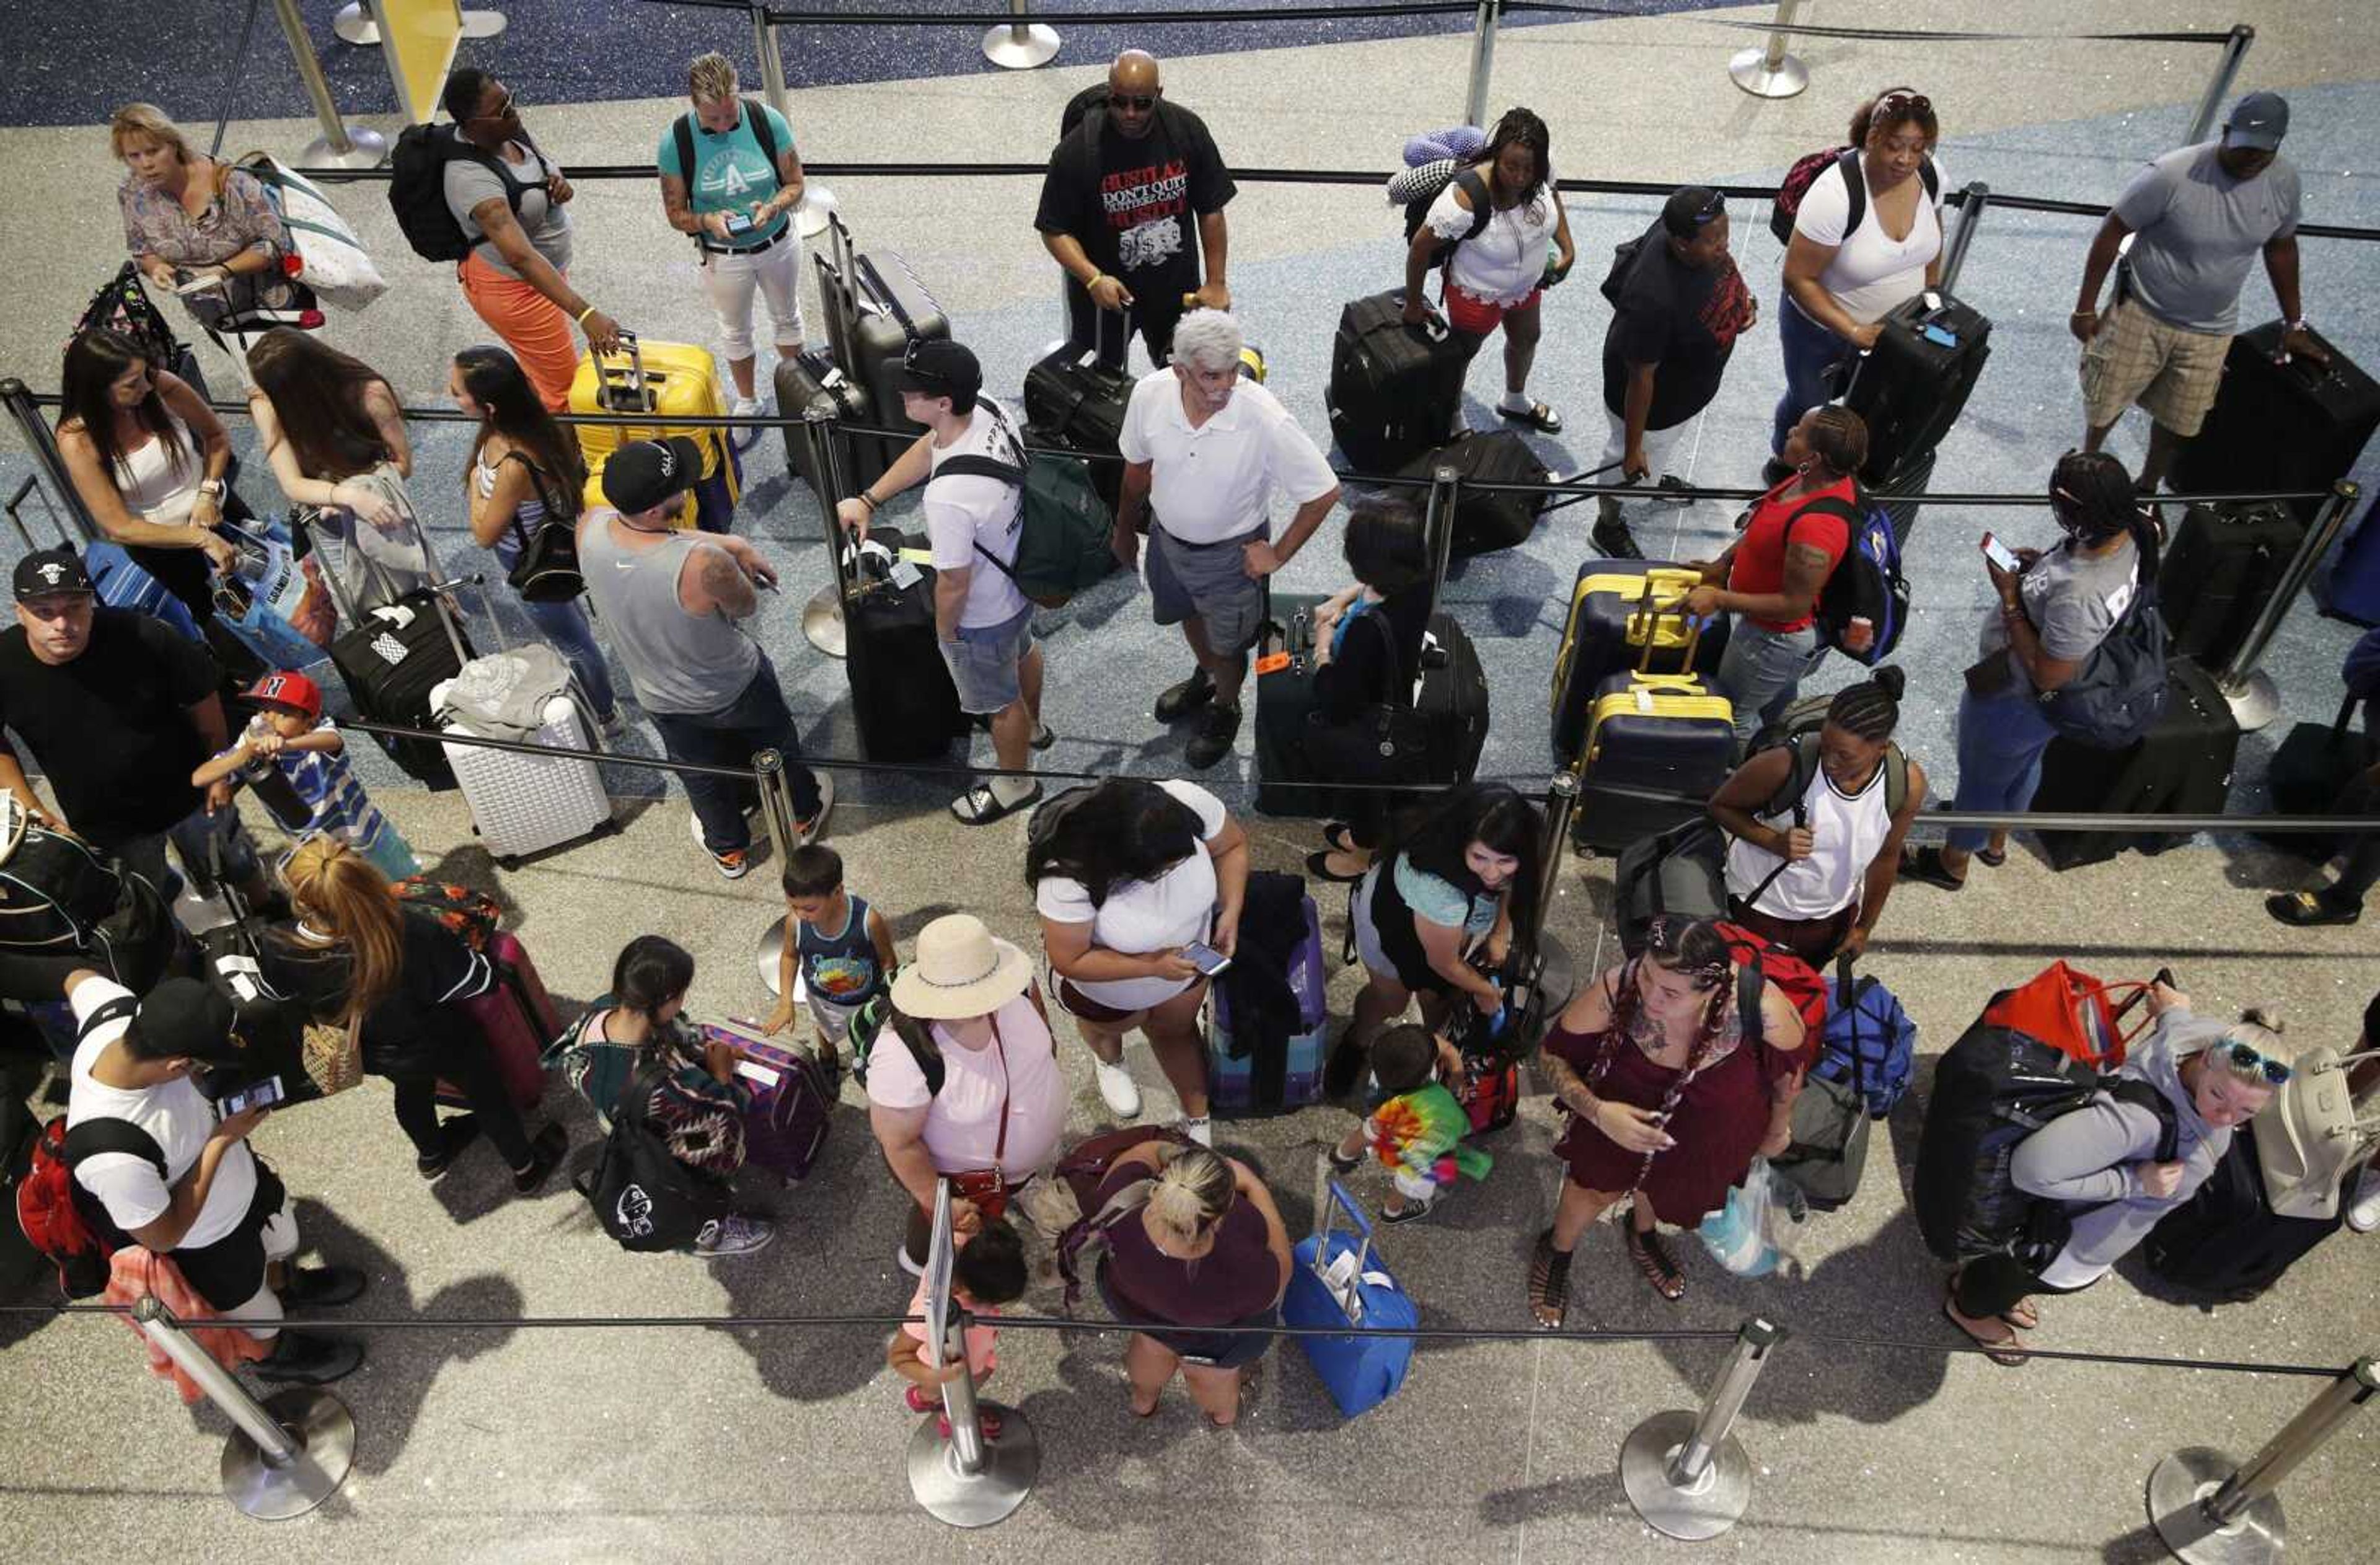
<point x="678" y="662"/>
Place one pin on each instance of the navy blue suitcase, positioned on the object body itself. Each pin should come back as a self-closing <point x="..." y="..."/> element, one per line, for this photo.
<point x="1611" y="628"/>
<point x="1667" y="733"/>
<point x="1360" y="1373"/>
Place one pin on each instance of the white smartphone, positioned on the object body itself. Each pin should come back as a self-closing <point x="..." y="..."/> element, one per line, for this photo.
<point x="1999" y="554"/>
<point x="1205" y="958"/>
<point x="257" y="1094"/>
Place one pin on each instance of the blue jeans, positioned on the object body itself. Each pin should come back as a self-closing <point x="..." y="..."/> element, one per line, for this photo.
<point x="1761" y="670"/>
<point x="566" y="628"/>
<point x="753" y="721"/>
<point x="2000" y="741"/>
<point x="190" y="837"/>
<point x="1810" y="351"/>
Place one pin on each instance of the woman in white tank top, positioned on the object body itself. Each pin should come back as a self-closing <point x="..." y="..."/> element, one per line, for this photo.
<point x="1816" y="824"/>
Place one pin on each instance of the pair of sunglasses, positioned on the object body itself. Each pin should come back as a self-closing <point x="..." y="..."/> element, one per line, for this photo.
<point x="1893" y="103"/>
<point x="2248" y="1059"/>
<point x="1140" y="104"/>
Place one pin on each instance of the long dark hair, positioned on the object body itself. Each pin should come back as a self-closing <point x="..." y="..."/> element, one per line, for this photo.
<point x="651" y="971"/>
<point x="318" y="394"/>
<point x="1386" y="544"/>
<point x="1111" y="834"/>
<point x="497" y="383"/>
<point x="1696" y="949"/>
<point x="1436" y="837"/>
<point x="1522" y="127"/>
<point x="94" y="362"/>
<point x="2093" y="496"/>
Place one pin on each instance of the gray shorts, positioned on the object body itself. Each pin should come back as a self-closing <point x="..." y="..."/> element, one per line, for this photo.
<point x="833" y="1020"/>
<point x="986" y="661"/>
<point x="1211" y="581"/>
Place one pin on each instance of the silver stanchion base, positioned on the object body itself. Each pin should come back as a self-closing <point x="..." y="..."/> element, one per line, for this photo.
<point x="772" y="942"/>
<point x="2181" y="1482"/>
<point x="977" y="1499"/>
<point x="2253" y="701"/>
<point x="1012" y="47"/>
<point x="1713" y="1505"/>
<point x="1750" y="71"/>
<point x="325" y="1433"/>
<point x="822" y="620"/>
<point x="366" y="149"/>
<point x="1557" y="975"/>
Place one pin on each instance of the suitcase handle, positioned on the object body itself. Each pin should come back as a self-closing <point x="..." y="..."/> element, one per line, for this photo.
<point x="882" y="297"/>
<point x="631" y="381"/>
<point x="1335" y="1203"/>
<point x="1673" y="683"/>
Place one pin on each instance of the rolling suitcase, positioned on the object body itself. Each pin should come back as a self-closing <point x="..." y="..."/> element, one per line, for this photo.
<point x="2280" y="426"/>
<point x="871" y="318"/>
<point x="2308" y="772"/>
<point x="1284" y="679"/>
<point x="900" y="691"/>
<point x="2227" y="1241"/>
<point x="814" y="381"/>
<point x="1912" y="385"/>
<point x="1070" y="399"/>
<point x="1394" y="389"/>
<point x="1452" y="701"/>
<point x="392" y="660"/>
<point x="1336" y="1281"/>
<point x="1660" y="732"/>
<point x="1486" y="521"/>
<point x="517" y="1019"/>
<point x="787" y="1121"/>
<point x="1624" y="613"/>
<point x="2183" y="767"/>
<point x="1238" y="1082"/>
<point x="2219" y="572"/>
<point x="660" y="380"/>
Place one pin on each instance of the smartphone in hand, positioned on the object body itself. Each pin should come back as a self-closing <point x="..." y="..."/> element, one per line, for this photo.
<point x="259" y="1095"/>
<point x="2000" y="554"/>
<point x="1205" y="958"/>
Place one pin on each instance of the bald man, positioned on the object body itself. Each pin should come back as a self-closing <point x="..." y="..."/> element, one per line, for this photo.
<point x="1128" y="183"/>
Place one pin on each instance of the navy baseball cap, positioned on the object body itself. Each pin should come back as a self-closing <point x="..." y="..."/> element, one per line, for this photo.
<point x="2258" y="120"/>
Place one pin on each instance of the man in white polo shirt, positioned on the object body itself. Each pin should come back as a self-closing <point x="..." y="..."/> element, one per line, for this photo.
<point x="1204" y="454"/>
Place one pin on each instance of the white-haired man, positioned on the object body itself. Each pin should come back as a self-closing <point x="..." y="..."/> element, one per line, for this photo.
<point x="1204" y="455"/>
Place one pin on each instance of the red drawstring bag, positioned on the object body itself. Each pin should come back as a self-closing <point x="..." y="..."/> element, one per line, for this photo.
<point x="2073" y="1012"/>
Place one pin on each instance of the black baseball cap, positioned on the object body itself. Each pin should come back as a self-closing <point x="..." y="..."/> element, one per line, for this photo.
<point x="643" y="473"/>
<point x="183" y="1018"/>
<point x="939" y="368"/>
<point x="1687" y="211"/>
<point x="46" y="573"/>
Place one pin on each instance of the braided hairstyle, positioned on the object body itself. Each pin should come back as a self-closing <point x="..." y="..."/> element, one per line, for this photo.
<point x="1838" y="437"/>
<point x="2093" y="498"/>
<point x="1695" y="949"/>
<point x="1870" y="710"/>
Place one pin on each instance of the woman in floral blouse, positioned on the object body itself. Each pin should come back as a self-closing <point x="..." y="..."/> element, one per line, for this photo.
<point x="187" y="212"/>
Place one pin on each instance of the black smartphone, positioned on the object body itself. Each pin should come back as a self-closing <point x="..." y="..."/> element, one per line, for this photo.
<point x="257" y="1094"/>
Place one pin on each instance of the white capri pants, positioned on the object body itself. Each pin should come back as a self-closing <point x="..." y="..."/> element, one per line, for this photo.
<point x="729" y="282"/>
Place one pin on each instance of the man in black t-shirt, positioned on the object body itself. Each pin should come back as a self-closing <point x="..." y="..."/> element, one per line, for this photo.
<point x="1678" y="312"/>
<point x="120" y="709"/>
<point x="1126" y="187"/>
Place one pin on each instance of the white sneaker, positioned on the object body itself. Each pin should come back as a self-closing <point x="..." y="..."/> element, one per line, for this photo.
<point x="1116" y="1086"/>
<point x="747" y="408"/>
<point x="2364" y="1215"/>
<point x="809" y="831"/>
<point x="1200" y="1130"/>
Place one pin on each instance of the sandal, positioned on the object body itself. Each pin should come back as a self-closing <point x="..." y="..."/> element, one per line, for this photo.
<point x="2024" y="1315"/>
<point x="1925" y="863"/>
<point x="1340" y="836"/>
<point x="1042" y="738"/>
<point x="1540" y="417"/>
<point x="1660" y="1267"/>
<point x="1549" y="1283"/>
<point x="980" y="807"/>
<point x="1991" y="858"/>
<point x="2007" y="1351"/>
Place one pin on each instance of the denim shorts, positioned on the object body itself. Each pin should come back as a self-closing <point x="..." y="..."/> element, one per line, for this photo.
<point x="985" y="663"/>
<point x="1211" y="581"/>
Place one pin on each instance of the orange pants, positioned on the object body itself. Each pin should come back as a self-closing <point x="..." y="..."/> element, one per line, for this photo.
<point x="532" y="325"/>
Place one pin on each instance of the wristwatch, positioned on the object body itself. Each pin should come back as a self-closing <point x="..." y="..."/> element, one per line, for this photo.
<point x="211" y="488"/>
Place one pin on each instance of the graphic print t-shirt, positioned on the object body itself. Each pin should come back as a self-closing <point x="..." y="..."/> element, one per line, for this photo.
<point x="1682" y="318"/>
<point x="1140" y="221"/>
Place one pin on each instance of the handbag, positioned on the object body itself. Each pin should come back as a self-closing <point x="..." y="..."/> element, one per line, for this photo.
<point x="1830" y="1127"/>
<point x="547" y="570"/>
<point x="989" y="1188"/>
<point x="1385" y="741"/>
<point x="332" y="1057"/>
<point x="2068" y="1010"/>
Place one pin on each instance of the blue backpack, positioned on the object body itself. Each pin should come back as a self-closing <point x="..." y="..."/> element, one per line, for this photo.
<point x="1867" y="583"/>
<point x="2361" y="672"/>
<point x="1869" y="1028"/>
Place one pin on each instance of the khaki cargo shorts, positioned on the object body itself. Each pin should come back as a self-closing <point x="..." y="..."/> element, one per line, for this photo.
<point x="2171" y="374"/>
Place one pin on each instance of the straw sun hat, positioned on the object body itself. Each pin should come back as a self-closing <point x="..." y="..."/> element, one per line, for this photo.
<point x="961" y="970"/>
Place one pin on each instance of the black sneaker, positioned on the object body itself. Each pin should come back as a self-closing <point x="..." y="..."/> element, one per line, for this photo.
<point x="545" y="1156"/>
<point x="322" y="1287"/>
<point x="1181" y="700"/>
<point x="456" y="1134"/>
<point x="2308" y="909"/>
<point x="1613" y="540"/>
<point x="1213" y="741"/>
<point x="304" y="1359"/>
<point x="1672" y="489"/>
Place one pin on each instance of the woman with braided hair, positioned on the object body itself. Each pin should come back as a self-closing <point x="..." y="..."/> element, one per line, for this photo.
<point x="1669" y="1099"/>
<point x="2055" y="609"/>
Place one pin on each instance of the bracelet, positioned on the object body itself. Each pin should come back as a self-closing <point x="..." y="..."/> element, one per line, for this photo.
<point x="582" y="315"/>
<point x="870" y="501"/>
<point x="2083" y="314"/>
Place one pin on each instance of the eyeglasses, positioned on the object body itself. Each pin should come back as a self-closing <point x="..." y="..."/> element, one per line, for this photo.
<point x="503" y="110"/>
<point x="1138" y="104"/>
<point x="2248" y="1059"/>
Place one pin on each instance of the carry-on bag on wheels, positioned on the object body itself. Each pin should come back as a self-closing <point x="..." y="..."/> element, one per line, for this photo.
<point x="660" y="381"/>
<point x="1072" y="399"/>
<point x="1624" y="614"/>
<point x="814" y="381"/>
<point x="1910" y="387"/>
<point x="900" y="692"/>
<point x="392" y="659"/>
<point x="791" y="1095"/>
<point x="1242" y="1079"/>
<point x="1436" y="745"/>
<point x="2218" y="573"/>
<point x="1394" y="389"/>
<point x="872" y="316"/>
<point x="516" y="1016"/>
<point x="2280" y="428"/>
<point x="1335" y="1281"/>
<point x="2225" y="1241"/>
<point x="2183" y="767"/>
<point x="1662" y="732"/>
<point x="1488" y="520"/>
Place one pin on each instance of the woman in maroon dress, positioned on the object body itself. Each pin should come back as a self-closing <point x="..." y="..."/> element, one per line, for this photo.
<point x="1669" y="1101"/>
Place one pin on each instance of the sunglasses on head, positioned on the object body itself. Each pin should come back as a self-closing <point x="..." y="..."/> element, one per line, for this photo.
<point x="1717" y="208"/>
<point x="2248" y="1059"/>
<point x="1896" y="104"/>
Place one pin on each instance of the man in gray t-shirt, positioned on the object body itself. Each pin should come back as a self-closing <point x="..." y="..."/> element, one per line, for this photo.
<point x="2198" y="217"/>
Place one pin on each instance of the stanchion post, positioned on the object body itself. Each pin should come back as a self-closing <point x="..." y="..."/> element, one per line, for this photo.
<point x="356" y="24"/>
<point x="1021" y="45"/>
<point x="2218" y="87"/>
<point x="967" y="1479"/>
<point x="773" y="62"/>
<point x="822" y="615"/>
<point x="340" y="145"/>
<point x="1547" y="964"/>
<point x="1483" y="61"/>
<point x="1438" y="527"/>
<point x="1770" y="71"/>
<point x="45" y="447"/>
<point x="1973" y="200"/>
<point x="2249" y="690"/>
<point x="1685" y="1471"/>
<point x="2211" y="1510"/>
<point x="284" y="1456"/>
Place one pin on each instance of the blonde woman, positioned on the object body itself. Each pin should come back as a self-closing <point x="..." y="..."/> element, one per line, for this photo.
<point x="1206" y="1248"/>
<point x="188" y="216"/>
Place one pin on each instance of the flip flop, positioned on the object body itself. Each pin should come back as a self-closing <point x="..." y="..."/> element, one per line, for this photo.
<point x="1540" y="417"/>
<point x="1925" y="863"/>
<point x="2008" y="1351"/>
<point x="2030" y="1309"/>
<point x="1991" y="858"/>
<point x="980" y="807"/>
<point x="1340" y="836"/>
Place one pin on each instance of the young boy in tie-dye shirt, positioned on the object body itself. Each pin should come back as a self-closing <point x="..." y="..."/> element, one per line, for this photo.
<point x="1417" y="1130"/>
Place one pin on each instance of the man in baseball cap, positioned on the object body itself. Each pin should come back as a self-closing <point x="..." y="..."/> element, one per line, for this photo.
<point x="2200" y="217"/>
<point x="671" y="599"/>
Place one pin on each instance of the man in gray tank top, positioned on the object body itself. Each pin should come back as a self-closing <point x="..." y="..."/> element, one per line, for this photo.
<point x="671" y="601"/>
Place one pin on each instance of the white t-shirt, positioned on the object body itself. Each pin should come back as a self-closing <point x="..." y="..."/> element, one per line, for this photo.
<point x="176" y="1115"/>
<point x="1216" y="481"/>
<point x="966" y="509"/>
<point x="963" y="1126"/>
<point x="1505" y="261"/>
<point x="1140" y="916"/>
<point x="1872" y="270"/>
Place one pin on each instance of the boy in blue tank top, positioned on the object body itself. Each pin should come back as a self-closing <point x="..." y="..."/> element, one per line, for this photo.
<point x="840" y="946"/>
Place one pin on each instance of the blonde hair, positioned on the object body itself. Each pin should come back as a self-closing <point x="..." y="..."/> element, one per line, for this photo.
<point x="1192" y="1191"/>
<point x="343" y="893"/>
<point x="145" y="120"/>
<point x="711" y="78"/>
<point x="2259" y="1027"/>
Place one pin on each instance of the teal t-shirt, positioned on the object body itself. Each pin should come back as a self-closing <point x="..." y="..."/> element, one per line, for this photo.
<point x="730" y="174"/>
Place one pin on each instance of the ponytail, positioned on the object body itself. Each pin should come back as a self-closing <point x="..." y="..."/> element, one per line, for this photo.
<point x="1191" y="1192"/>
<point x="344" y="894"/>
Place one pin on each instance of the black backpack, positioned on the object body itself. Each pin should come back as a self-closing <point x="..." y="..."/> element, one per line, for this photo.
<point x="1482" y="209"/>
<point x="761" y="133"/>
<point x="2119" y="692"/>
<point x="1623" y="260"/>
<point x="417" y="187"/>
<point x="645" y="1198"/>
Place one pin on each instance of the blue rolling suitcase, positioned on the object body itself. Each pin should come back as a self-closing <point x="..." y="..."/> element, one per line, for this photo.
<point x="1238" y="1082"/>
<point x="1360" y="1373"/>
<point x="1663" y="732"/>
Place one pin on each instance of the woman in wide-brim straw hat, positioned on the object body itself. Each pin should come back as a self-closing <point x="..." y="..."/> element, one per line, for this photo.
<point x="963" y="1084"/>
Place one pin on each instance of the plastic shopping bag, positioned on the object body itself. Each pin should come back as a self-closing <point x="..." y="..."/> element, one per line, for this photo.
<point x="1753" y="1234"/>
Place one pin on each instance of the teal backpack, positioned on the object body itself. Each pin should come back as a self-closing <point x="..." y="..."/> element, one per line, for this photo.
<point x="1061" y="543"/>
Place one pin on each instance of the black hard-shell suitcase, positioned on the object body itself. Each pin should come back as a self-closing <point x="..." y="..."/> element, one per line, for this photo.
<point x="2219" y="572"/>
<point x="1483" y="520"/>
<point x="2308" y="772"/>
<point x="2298" y="425"/>
<point x="1394" y="389"/>
<point x="1073" y="400"/>
<point x="872" y="314"/>
<point x="1669" y="733"/>
<point x="1912" y="385"/>
<point x="2225" y="1241"/>
<point x="1452" y="701"/>
<point x="1607" y="630"/>
<point x="813" y="380"/>
<point x="900" y="692"/>
<point x="2183" y="767"/>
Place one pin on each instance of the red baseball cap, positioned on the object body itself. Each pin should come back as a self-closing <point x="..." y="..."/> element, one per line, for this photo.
<point x="288" y="689"/>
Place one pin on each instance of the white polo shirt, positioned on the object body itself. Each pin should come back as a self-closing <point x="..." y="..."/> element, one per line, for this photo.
<point x="1216" y="481"/>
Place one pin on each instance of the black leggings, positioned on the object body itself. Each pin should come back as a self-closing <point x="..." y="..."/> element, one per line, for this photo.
<point x="1991" y="1285"/>
<point x="472" y="1070"/>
